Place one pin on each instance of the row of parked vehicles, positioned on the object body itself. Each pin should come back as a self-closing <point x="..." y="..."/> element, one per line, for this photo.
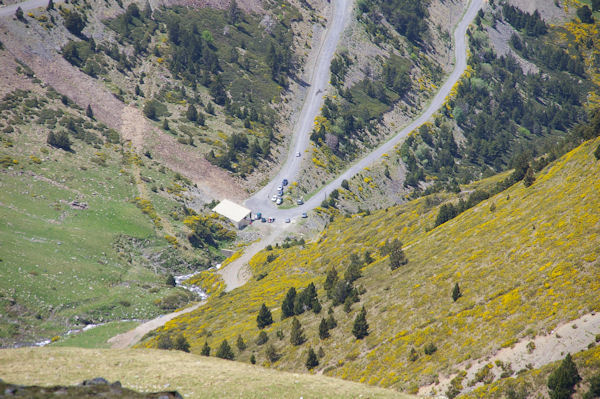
<point x="278" y="197"/>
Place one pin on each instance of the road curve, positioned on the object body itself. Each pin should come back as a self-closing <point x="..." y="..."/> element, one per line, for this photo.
<point x="25" y="6"/>
<point x="319" y="81"/>
<point x="261" y="200"/>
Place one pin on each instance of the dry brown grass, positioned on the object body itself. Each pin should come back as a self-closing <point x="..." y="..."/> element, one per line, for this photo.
<point x="155" y="370"/>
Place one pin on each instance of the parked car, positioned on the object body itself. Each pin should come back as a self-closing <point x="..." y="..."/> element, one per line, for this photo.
<point x="285" y="182"/>
<point x="304" y="215"/>
<point x="274" y="197"/>
<point x="287" y="220"/>
<point x="271" y="220"/>
<point x="280" y="193"/>
<point x="279" y="201"/>
<point x="279" y="188"/>
<point x="258" y="215"/>
<point x="298" y="154"/>
<point x="300" y="201"/>
<point x="263" y="220"/>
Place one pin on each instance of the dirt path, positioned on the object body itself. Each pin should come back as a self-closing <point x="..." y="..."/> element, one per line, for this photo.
<point x="130" y="338"/>
<point x="570" y="337"/>
<point x="237" y="273"/>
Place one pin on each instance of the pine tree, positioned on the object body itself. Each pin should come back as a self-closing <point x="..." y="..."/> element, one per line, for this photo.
<point x="171" y="280"/>
<point x="225" y="351"/>
<point x="323" y="329"/>
<point x="240" y="343"/>
<point x="19" y="14"/>
<point x="253" y="359"/>
<point x="297" y="333"/>
<point x="562" y="381"/>
<point x="287" y="306"/>
<point x="233" y="13"/>
<point x="50" y="5"/>
<point x="181" y="343"/>
<point x="264" y="317"/>
<point x="205" y="349"/>
<point x="361" y="327"/>
<point x="311" y="361"/>
<point x="330" y="280"/>
<point x="88" y="112"/>
<point x="331" y="323"/>
<point x="353" y="272"/>
<point x="456" y="292"/>
<point x="201" y="120"/>
<point x="529" y="178"/>
<point x="597" y="152"/>
<point x="165" y="124"/>
<point x="191" y="114"/>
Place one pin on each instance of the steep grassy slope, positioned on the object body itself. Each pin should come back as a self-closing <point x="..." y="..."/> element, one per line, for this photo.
<point x="192" y="376"/>
<point x="526" y="260"/>
<point x="89" y="234"/>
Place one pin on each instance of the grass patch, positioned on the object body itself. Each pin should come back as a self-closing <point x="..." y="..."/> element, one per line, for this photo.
<point x="96" y="337"/>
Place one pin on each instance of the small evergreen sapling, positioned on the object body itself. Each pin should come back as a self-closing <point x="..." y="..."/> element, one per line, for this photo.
<point x="205" y="349"/>
<point x="297" y="334"/>
<point x="456" y="292"/>
<point x="311" y="361"/>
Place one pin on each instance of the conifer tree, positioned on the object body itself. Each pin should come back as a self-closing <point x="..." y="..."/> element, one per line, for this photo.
<point x="225" y="351"/>
<point x="323" y="329"/>
<point x="529" y="178"/>
<point x="240" y="343"/>
<point x="264" y="317"/>
<point x="171" y="280"/>
<point x="191" y="114"/>
<point x="456" y="292"/>
<point x="353" y="272"/>
<point x="311" y="361"/>
<point x="331" y="323"/>
<point x="181" y="343"/>
<point x="330" y="280"/>
<point x="297" y="334"/>
<point x="562" y="381"/>
<point x="287" y="306"/>
<point x="361" y="327"/>
<point x="50" y="5"/>
<point x="88" y="112"/>
<point x="253" y="359"/>
<point x="205" y="349"/>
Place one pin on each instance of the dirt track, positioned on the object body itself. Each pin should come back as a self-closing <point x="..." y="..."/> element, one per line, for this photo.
<point x="131" y="337"/>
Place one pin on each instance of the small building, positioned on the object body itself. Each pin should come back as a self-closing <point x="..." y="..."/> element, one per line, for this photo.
<point x="239" y="215"/>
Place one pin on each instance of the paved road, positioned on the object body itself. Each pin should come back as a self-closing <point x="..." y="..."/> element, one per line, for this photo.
<point x="342" y="10"/>
<point x="26" y="5"/>
<point x="261" y="200"/>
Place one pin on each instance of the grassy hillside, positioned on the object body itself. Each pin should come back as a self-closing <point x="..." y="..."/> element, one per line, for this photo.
<point x="190" y="375"/>
<point x="525" y="259"/>
<point x="91" y="232"/>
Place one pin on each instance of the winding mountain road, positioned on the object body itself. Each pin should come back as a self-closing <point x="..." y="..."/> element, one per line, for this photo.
<point x="261" y="201"/>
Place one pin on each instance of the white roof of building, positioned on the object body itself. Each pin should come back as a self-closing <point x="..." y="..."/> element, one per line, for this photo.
<point x="231" y="210"/>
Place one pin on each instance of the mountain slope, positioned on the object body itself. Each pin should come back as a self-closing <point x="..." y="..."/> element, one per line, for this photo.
<point x="516" y="257"/>
<point x="192" y="376"/>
